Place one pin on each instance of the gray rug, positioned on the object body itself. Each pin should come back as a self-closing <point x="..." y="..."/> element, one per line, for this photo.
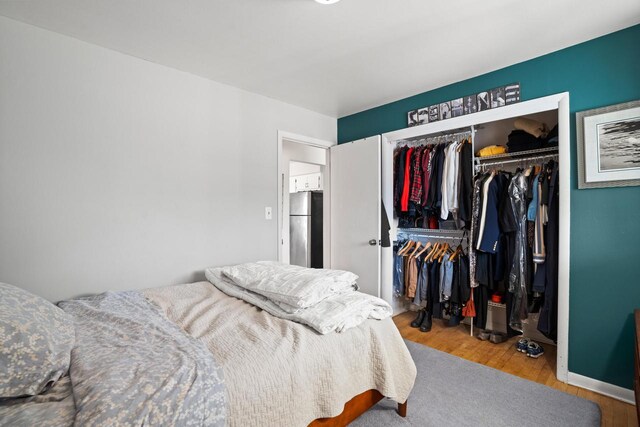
<point x="451" y="391"/>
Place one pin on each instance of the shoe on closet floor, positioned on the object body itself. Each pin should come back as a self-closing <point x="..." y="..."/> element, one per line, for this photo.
<point x="425" y="326"/>
<point x="484" y="335"/>
<point x="418" y="320"/>
<point x="454" y="320"/>
<point x="522" y="345"/>
<point x="534" y="350"/>
<point x="497" y="337"/>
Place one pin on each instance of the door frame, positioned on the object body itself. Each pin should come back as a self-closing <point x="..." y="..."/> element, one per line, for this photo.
<point x="326" y="177"/>
<point x="558" y="102"/>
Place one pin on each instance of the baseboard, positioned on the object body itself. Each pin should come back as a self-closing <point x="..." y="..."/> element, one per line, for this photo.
<point x="611" y="390"/>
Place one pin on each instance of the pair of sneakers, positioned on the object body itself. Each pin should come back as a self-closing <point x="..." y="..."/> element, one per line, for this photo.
<point x="530" y="347"/>
<point x="493" y="336"/>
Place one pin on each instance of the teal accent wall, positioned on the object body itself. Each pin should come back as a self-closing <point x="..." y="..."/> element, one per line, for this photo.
<point x="605" y="223"/>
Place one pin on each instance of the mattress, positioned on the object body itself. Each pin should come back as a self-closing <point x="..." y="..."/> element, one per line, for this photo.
<point x="281" y="373"/>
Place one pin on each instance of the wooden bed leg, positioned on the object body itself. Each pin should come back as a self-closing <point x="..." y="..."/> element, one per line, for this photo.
<point x="402" y="409"/>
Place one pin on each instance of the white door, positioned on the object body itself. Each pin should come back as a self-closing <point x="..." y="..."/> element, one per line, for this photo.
<point x="355" y="211"/>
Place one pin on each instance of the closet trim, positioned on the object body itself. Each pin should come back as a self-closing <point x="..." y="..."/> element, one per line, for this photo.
<point x="558" y="102"/>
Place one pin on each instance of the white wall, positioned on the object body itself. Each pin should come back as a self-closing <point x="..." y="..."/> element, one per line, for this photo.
<point x="117" y="173"/>
<point x="299" y="168"/>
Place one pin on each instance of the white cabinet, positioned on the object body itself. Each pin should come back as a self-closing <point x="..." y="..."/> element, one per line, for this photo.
<point x="306" y="182"/>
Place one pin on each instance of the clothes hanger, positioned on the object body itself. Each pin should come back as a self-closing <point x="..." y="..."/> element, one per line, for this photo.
<point x="405" y="248"/>
<point x="402" y="247"/>
<point x="459" y="250"/>
<point x="424" y="249"/>
<point x="436" y="254"/>
<point x="418" y="245"/>
<point x="443" y="253"/>
<point x="409" y="247"/>
<point x="456" y="253"/>
<point x="435" y="249"/>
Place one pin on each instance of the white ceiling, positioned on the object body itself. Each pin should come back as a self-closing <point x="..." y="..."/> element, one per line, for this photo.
<point x="337" y="59"/>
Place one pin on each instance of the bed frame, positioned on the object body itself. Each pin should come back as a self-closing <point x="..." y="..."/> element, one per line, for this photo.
<point x="356" y="407"/>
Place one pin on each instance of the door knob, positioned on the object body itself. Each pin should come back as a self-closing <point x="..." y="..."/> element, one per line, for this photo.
<point x="373" y="242"/>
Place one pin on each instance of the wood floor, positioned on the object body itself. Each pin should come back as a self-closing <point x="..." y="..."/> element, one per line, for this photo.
<point x="456" y="341"/>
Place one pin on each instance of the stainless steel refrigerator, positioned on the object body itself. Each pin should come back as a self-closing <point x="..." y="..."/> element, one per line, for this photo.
<point x="305" y="229"/>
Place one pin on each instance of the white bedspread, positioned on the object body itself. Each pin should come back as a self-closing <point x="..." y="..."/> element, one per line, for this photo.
<point x="281" y="373"/>
<point x="290" y="286"/>
<point x="334" y="314"/>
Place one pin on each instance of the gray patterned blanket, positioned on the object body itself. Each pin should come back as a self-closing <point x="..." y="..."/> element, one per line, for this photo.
<point x="132" y="366"/>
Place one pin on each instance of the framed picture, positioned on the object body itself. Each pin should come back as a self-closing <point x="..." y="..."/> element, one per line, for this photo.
<point x="470" y="104"/>
<point x="483" y="101"/>
<point x="434" y="113"/>
<point x="456" y="107"/>
<point x="412" y="118"/>
<point x="497" y="97"/>
<point x="445" y="110"/>
<point x="609" y="146"/>
<point x="423" y="116"/>
<point x="512" y="93"/>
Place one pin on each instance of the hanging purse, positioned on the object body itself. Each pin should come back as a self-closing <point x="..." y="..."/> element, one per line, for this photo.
<point x="469" y="310"/>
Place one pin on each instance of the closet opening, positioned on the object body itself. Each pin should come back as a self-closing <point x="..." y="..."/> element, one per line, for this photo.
<point x="496" y="214"/>
<point x="303" y="201"/>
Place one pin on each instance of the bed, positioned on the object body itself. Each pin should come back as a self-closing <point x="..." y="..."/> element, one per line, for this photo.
<point x="267" y="370"/>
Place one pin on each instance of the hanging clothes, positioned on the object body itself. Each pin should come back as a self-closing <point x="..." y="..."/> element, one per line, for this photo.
<point x="426" y="172"/>
<point x="423" y="283"/>
<point x="548" y="321"/>
<point x="519" y="270"/>
<point x="465" y="186"/>
<point x="474" y="230"/>
<point x="406" y="186"/>
<point x="430" y="182"/>
<point x="450" y="181"/>
<point x="398" y="271"/>
<point x="446" y="278"/>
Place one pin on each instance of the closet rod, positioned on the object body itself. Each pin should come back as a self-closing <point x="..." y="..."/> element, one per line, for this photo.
<point x="461" y="240"/>
<point x="436" y="231"/>
<point x="483" y="165"/>
<point x="444" y="136"/>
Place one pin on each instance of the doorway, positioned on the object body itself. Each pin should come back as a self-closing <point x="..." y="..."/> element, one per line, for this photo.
<point x="303" y="200"/>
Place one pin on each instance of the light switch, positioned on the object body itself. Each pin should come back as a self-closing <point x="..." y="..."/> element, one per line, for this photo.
<point x="267" y="213"/>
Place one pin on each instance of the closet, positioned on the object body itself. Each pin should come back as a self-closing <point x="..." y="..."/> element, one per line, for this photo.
<point x="481" y="130"/>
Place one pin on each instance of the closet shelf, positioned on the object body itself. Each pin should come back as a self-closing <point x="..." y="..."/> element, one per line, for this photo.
<point x="496" y="304"/>
<point x="519" y="154"/>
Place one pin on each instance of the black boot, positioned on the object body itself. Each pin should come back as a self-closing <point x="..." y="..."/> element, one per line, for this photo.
<point x="454" y="320"/>
<point x="425" y="326"/>
<point x="456" y="315"/>
<point x="418" y="320"/>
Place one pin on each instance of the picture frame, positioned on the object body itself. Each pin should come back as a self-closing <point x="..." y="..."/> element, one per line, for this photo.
<point x="457" y="108"/>
<point x="412" y="118"/>
<point x="470" y="104"/>
<point x="497" y="97"/>
<point x="423" y="116"/>
<point x="434" y="113"/>
<point x="512" y="93"/>
<point x="608" y="148"/>
<point x="484" y="103"/>
<point x="445" y="110"/>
